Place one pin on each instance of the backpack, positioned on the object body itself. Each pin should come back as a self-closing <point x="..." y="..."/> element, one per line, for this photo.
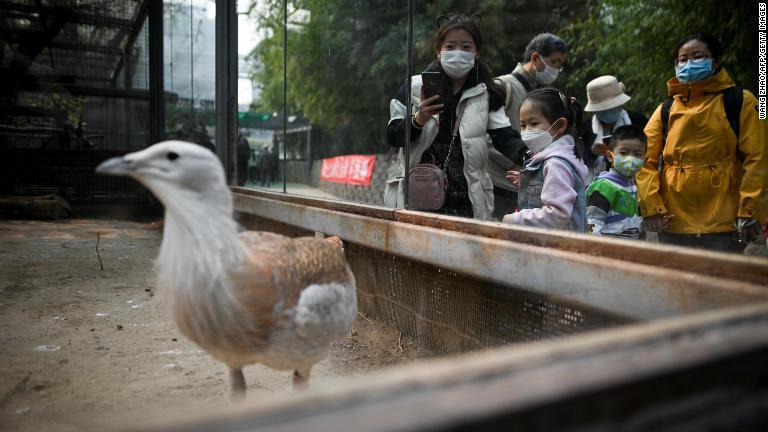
<point x="733" y="97"/>
<point x="508" y="87"/>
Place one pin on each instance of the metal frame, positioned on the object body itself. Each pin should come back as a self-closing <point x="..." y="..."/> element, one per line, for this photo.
<point x="141" y="16"/>
<point x="407" y="119"/>
<point x="226" y="84"/>
<point x="622" y="281"/>
<point x="71" y="14"/>
<point x="156" y="84"/>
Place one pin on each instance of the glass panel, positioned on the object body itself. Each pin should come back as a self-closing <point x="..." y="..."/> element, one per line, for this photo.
<point x="260" y="94"/>
<point x="345" y="61"/>
<point x="190" y="70"/>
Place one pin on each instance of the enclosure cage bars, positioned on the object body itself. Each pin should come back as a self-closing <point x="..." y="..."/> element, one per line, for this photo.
<point x="156" y="91"/>
<point x="226" y="82"/>
<point x="407" y="119"/>
<point x="285" y="96"/>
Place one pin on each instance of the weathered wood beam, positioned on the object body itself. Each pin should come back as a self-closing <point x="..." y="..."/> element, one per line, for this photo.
<point x="622" y="287"/>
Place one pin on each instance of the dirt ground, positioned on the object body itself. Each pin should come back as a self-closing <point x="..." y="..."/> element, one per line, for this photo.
<point x="85" y="348"/>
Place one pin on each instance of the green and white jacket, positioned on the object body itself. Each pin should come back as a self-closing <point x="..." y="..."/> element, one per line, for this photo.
<point x="612" y="207"/>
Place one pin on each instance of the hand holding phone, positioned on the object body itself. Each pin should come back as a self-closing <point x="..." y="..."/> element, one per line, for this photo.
<point x="433" y="84"/>
<point x="431" y="88"/>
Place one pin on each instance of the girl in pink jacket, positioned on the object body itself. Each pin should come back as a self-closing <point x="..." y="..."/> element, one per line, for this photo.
<point x="552" y="182"/>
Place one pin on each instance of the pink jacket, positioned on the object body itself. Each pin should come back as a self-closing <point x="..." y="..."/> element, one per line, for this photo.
<point x="557" y="193"/>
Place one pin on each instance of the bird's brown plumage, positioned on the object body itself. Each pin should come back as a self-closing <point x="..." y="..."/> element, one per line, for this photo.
<point x="276" y="271"/>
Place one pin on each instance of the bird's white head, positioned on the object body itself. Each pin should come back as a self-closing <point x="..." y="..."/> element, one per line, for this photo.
<point x="200" y="244"/>
<point x="176" y="172"/>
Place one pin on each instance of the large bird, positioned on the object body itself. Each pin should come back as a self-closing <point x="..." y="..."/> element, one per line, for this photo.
<point x="247" y="297"/>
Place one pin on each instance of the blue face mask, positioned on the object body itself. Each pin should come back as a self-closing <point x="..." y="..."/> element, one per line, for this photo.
<point x="609" y="116"/>
<point x="694" y="71"/>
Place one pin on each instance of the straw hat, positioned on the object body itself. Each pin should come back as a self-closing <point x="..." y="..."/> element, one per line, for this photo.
<point x="604" y="93"/>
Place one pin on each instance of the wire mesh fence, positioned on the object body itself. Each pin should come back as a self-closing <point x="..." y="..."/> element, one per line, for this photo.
<point x="446" y="312"/>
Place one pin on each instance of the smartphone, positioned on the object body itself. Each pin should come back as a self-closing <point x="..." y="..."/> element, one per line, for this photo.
<point x="607" y="139"/>
<point x="433" y="84"/>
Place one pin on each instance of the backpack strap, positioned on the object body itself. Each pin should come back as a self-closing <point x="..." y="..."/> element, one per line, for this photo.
<point x="523" y="81"/>
<point x="507" y="84"/>
<point x="508" y="99"/>
<point x="571" y="168"/>
<point x="665" y="106"/>
<point x="733" y="97"/>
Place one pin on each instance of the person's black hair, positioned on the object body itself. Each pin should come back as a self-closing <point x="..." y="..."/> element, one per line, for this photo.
<point x="712" y="43"/>
<point x="497" y="94"/>
<point x="554" y="104"/>
<point x="627" y="132"/>
<point x="544" y="44"/>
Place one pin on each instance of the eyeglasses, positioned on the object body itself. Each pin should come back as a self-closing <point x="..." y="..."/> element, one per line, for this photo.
<point x="696" y="58"/>
<point x="559" y="69"/>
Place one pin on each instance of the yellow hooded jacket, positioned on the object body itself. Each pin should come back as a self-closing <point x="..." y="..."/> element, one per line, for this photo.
<point x="708" y="178"/>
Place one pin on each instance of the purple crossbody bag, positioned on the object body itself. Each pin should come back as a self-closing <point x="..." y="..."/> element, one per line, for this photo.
<point x="427" y="183"/>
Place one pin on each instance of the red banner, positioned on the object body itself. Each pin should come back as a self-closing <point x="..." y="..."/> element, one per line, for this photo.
<point x="349" y="169"/>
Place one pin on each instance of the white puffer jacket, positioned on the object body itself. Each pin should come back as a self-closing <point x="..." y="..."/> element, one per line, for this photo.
<point x="472" y="131"/>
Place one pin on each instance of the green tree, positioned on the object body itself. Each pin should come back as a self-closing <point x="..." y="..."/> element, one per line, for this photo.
<point x="633" y="40"/>
<point x="348" y="59"/>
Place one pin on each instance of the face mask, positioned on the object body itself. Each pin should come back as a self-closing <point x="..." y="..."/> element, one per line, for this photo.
<point x="609" y="116"/>
<point x="457" y="63"/>
<point x="537" y="139"/>
<point x="627" y="166"/>
<point x="694" y="71"/>
<point x="548" y="76"/>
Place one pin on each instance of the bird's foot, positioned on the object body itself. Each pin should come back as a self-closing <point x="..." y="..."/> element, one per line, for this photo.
<point x="300" y="382"/>
<point x="237" y="381"/>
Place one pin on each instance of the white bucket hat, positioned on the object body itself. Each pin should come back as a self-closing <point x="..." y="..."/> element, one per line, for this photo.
<point x="604" y="93"/>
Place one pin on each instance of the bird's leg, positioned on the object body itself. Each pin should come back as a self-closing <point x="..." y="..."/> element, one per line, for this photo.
<point x="237" y="381"/>
<point x="300" y="380"/>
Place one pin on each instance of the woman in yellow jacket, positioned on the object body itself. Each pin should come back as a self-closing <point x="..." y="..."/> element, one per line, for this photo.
<point x="710" y="191"/>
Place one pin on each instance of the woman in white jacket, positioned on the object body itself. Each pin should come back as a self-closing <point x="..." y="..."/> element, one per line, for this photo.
<point x="469" y="85"/>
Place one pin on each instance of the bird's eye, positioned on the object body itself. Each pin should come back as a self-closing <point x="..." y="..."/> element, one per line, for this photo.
<point x="172" y="156"/>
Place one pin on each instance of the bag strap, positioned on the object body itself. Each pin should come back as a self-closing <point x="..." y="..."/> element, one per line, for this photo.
<point x="570" y="167"/>
<point x="733" y="97"/>
<point x="665" y="107"/>
<point x="507" y="84"/>
<point x="454" y="133"/>
<point x="523" y="81"/>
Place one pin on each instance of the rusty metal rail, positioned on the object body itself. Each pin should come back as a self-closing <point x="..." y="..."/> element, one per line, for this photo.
<point x="729" y="266"/>
<point x="621" y="278"/>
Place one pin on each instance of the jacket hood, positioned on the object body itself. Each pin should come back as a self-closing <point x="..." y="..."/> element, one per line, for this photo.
<point x="713" y="84"/>
<point x="563" y="148"/>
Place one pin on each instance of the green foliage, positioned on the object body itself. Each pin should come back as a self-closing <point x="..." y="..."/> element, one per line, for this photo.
<point x="349" y="59"/>
<point x="633" y="40"/>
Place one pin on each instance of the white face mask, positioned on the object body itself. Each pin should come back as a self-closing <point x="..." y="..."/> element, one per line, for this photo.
<point x="549" y="75"/>
<point x="457" y="63"/>
<point x="537" y="139"/>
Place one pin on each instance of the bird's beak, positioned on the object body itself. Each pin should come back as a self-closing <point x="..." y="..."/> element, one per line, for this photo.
<point x="116" y="166"/>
